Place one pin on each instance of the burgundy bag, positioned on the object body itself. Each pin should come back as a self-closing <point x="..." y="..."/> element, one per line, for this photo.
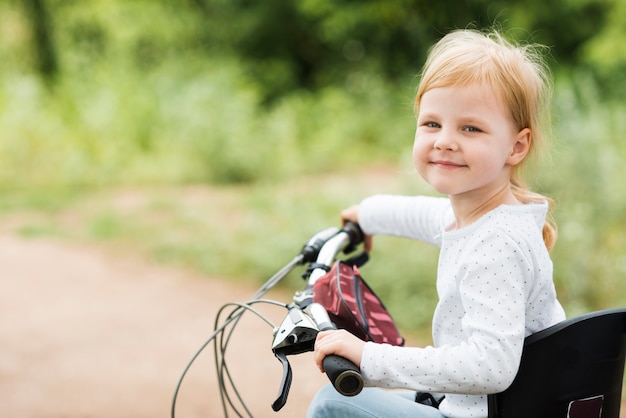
<point x="352" y="305"/>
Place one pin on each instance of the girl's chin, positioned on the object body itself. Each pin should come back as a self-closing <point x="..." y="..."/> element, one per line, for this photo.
<point x="444" y="188"/>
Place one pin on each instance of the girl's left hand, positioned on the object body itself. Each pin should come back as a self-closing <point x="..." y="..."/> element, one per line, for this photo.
<point x="339" y="342"/>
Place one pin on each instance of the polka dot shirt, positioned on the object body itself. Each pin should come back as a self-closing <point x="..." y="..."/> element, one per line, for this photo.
<point x="495" y="287"/>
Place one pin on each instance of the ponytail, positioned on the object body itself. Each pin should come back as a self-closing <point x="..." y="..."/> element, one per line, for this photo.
<point x="524" y="194"/>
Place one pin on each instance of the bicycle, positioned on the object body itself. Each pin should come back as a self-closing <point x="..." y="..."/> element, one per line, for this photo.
<point x="298" y="330"/>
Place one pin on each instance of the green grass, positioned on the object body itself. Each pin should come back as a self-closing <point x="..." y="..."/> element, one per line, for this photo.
<point x="243" y="233"/>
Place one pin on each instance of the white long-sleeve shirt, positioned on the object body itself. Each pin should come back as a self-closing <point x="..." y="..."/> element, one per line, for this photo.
<point x="495" y="287"/>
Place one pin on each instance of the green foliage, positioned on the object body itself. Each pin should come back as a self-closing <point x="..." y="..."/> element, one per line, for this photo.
<point x="272" y="98"/>
<point x="317" y="43"/>
<point x="192" y="125"/>
<point x="604" y="55"/>
<point x="590" y="256"/>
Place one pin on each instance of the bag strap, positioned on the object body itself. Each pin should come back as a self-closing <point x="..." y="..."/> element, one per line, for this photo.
<point x="312" y="266"/>
<point x="358" y="260"/>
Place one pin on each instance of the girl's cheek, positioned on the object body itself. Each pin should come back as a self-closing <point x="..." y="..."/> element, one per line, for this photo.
<point x="419" y="149"/>
<point x="419" y="157"/>
<point x="415" y="154"/>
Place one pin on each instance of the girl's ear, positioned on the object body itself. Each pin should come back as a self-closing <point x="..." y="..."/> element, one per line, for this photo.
<point x="521" y="146"/>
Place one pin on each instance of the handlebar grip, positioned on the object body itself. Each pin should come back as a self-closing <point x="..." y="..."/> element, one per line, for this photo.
<point x="344" y="375"/>
<point x="354" y="232"/>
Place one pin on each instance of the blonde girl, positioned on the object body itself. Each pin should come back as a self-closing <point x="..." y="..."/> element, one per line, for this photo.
<point x="482" y="107"/>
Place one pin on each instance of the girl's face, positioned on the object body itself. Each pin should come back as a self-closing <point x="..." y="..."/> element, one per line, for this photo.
<point x="466" y="142"/>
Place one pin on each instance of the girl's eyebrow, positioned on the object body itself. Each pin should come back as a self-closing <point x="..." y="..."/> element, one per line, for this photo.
<point x="427" y="115"/>
<point x="481" y="124"/>
<point x="462" y="119"/>
<point x="472" y="120"/>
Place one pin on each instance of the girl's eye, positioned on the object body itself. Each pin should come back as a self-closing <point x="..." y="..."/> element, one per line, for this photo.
<point x="432" y="125"/>
<point x="471" y="129"/>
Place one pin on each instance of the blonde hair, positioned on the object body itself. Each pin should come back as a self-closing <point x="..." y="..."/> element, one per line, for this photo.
<point x="517" y="72"/>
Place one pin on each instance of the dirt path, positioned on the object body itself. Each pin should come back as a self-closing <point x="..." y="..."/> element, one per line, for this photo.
<point x="87" y="334"/>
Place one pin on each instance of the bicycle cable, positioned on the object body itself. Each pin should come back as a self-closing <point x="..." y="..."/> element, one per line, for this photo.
<point x="233" y="317"/>
<point x="309" y="253"/>
<point x="221" y="367"/>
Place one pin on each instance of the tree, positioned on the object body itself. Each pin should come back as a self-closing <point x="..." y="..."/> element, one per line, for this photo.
<point x="311" y="44"/>
<point x="41" y="26"/>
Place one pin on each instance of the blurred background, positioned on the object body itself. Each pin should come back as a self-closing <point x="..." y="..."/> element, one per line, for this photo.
<point x="218" y="135"/>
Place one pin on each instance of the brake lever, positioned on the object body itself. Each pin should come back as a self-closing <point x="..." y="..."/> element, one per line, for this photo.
<point x="285" y="383"/>
<point x="295" y="335"/>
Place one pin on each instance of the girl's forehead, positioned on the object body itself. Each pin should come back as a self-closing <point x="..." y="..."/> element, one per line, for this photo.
<point x="471" y="94"/>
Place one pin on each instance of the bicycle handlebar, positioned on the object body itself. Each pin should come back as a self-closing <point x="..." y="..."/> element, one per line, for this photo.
<point x="343" y="374"/>
<point x="346" y="239"/>
<point x="297" y="334"/>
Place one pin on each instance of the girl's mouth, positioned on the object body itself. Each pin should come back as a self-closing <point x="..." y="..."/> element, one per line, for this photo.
<point x="447" y="164"/>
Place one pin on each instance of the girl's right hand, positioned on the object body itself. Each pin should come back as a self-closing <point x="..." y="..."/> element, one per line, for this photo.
<point x="351" y="214"/>
<point x="339" y="342"/>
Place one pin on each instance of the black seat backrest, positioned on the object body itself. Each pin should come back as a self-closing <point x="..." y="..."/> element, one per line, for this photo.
<point x="573" y="369"/>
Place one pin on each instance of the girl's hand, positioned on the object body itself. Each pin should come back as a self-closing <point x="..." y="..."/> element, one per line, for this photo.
<point x="339" y="342"/>
<point x="351" y="214"/>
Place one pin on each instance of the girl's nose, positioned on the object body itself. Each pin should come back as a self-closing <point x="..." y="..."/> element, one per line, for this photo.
<point x="445" y="142"/>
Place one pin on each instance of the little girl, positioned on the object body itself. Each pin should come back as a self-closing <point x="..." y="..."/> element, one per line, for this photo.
<point x="481" y="106"/>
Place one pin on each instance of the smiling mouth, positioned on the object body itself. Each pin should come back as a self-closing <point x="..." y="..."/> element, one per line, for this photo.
<point x="447" y="164"/>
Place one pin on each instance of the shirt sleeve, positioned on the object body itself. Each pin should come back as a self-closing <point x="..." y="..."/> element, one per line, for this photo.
<point x="417" y="217"/>
<point x="482" y="350"/>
